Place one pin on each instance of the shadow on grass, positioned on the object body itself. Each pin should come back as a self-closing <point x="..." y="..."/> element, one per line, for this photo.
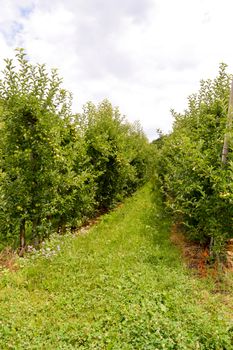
<point x="158" y="229"/>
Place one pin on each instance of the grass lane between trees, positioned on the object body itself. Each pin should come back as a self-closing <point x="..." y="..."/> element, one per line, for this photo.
<point x="122" y="285"/>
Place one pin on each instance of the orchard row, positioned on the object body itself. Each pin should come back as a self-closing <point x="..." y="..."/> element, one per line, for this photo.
<point x="57" y="169"/>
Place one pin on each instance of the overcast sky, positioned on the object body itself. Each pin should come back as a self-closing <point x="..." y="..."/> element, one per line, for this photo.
<point x="145" y="56"/>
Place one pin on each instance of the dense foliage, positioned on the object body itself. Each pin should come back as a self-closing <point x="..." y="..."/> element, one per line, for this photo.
<point x="57" y="169"/>
<point x="196" y="185"/>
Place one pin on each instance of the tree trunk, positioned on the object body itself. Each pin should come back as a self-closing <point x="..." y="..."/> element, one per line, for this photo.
<point x="22" y="238"/>
<point x="62" y="226"/>
<point x="229" y="125"/>
<point x="35" y="238"/>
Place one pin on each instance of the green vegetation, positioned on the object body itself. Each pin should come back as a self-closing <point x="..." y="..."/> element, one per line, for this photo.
<point x="196" y="185"/>
<point x="122" y="285"/>
<point x="58" y="169"/>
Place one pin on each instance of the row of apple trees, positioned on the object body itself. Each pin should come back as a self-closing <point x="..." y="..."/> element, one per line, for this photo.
<point x="197" y="186"/>
<point x="58" y="169"/>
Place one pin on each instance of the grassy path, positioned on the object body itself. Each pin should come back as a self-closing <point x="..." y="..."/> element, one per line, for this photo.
<point x="121" y="286"/>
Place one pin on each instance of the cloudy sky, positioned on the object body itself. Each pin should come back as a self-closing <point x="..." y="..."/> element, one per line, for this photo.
<point x="145" y="56"/>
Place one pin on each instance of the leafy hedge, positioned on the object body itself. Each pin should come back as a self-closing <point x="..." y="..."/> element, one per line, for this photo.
<point x="56" y="168"/>
<point x="197" y="187"/>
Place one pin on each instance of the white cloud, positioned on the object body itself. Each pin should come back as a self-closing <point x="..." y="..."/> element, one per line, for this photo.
<point x="146" y="56"/>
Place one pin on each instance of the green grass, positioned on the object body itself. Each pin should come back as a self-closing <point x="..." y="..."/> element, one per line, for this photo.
<point x="120" y="286"/>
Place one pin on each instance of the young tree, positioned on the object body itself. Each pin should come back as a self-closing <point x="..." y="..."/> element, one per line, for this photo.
<point x="115" y="149"/>
<point x="33" y="113"/>
<point x="197" y="189"/>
